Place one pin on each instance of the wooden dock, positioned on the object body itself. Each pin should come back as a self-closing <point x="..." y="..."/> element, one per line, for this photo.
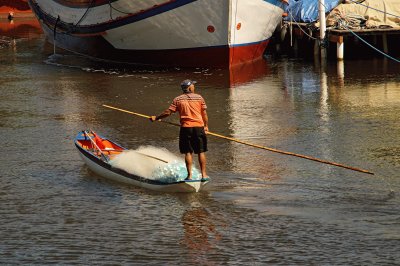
<point x="377" y="37"/>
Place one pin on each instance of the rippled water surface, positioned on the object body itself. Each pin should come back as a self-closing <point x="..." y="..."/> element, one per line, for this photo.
<point x="260" y="207"/>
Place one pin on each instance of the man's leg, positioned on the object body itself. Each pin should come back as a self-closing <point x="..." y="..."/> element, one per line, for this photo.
<point x="189" y="162"/>
<point x="202" y="162"/>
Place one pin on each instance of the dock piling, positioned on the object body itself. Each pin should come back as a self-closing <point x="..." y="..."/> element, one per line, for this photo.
<point x="340" y="48"/>
<point x="385" y="43"/>
<point x="322" y="28"/>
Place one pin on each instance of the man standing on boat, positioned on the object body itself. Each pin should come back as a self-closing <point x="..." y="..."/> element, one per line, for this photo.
<point x="194" y="125"/>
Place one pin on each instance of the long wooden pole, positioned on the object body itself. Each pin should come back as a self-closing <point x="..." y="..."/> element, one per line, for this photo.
<point x="255" y="145"/>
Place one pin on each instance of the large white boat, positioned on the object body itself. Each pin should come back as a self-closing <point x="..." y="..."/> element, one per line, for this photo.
<point x="193" y="33"/>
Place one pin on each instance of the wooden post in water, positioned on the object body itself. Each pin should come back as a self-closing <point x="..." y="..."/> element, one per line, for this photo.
<point x="340" y="48"/>
<point x="340" y="72"/>
<point x="316" y="49"/>
<point x="385" y="43"/>
<point x="322" y="28"/>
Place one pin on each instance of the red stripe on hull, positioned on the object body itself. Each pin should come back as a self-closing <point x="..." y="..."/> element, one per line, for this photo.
<point x="247" y="53"/>
<point x="202" y="57"/>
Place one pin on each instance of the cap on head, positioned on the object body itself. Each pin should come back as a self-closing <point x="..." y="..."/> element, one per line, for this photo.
<point x="186" y="84"/>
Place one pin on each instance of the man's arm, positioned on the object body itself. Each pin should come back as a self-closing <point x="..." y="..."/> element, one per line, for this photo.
<point x="164" y="114"/>
<point x="205" y="119"/>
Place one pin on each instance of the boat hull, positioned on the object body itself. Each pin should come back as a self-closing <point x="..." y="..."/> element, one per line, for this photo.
<point x="99" y="166"/>
<point x="217" y="33"/>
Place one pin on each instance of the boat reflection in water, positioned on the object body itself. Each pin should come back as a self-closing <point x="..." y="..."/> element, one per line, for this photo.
<point x="20" y="28"/>
<point x="247" y="72"/>
<point x="233" y="76"/>
<point x="11" y="9"/>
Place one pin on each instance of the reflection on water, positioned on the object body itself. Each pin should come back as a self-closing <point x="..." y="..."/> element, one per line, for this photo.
<point x="200" y="231"/>
<point x="260" y="207"/>
<point x="20" y="28"/>
<point x="11" y="32"/>
<point x="219" y="78"/>
<point x="249" y="72"/>
<point x="201" y="227"/>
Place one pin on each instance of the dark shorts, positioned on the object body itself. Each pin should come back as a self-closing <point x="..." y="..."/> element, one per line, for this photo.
<point x="192" y="139"/>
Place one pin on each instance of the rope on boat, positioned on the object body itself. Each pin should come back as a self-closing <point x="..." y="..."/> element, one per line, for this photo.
<point x="84" y="14"/>
<point x="116" y="9"/>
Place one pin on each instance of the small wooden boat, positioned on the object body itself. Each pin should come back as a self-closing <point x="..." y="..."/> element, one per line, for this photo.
<point x="97" y="152"/>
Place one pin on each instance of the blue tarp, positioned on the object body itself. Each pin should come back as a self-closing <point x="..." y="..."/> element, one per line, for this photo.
<point x="307" y="10"/>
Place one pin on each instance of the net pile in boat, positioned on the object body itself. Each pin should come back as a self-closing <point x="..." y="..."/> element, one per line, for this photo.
<point x="173" y="172"/>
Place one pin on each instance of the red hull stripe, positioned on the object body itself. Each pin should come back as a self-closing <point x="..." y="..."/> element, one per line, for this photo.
<point x="243" y="53"/>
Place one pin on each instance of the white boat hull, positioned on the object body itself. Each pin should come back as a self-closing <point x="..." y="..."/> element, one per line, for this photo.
<point x="181" y="32"/>
<point x="102" y="168"/>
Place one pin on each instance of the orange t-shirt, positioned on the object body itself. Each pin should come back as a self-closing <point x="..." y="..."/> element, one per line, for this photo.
<point x="190" y="107"/>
